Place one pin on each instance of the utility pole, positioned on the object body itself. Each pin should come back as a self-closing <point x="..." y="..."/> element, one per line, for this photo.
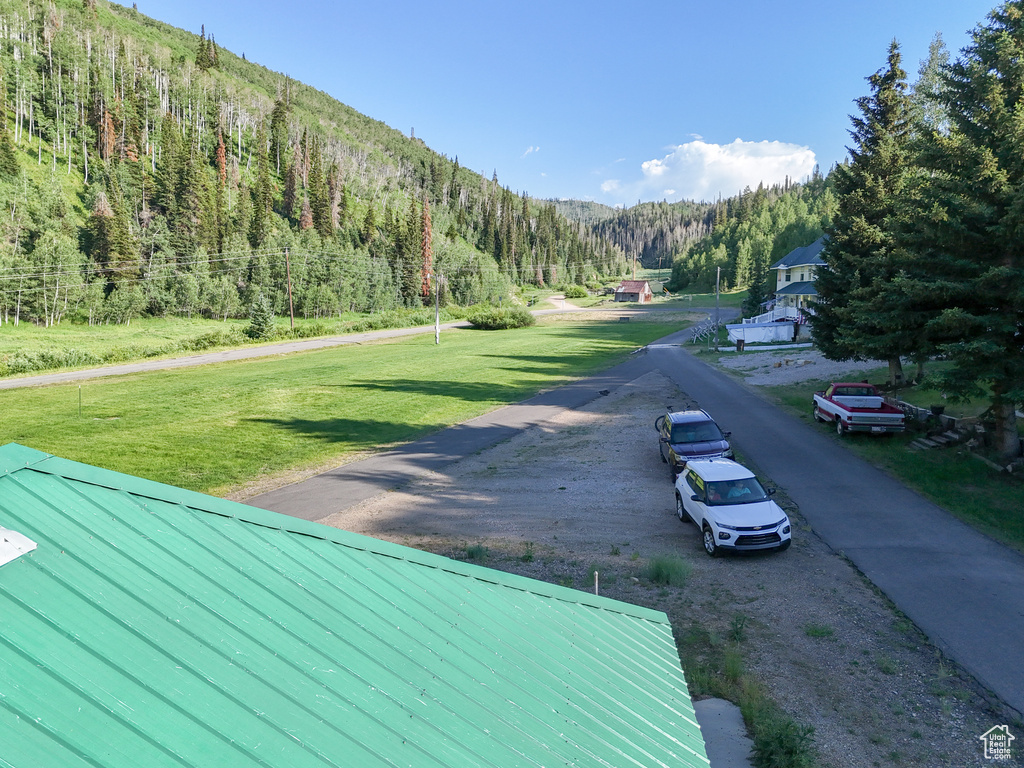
<point x="718" y="279"/>
<point x="288" y="271"/>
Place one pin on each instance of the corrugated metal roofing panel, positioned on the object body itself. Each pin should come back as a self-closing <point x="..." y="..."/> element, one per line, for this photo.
<point x="154" y="626"/>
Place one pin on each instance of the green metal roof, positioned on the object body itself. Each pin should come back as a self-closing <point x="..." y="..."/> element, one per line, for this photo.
<point x="153" y="626"/>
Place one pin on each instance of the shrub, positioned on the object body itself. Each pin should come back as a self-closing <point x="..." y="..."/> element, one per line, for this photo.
<point x="502" y="318"/>
<point x="576" y="292"/>
<point x="779" y="741"/>
<point x="672" y="571"/>
<point x="231" y="337"/>
<point x="46" y="359"/>
<point x="311" y="330"/>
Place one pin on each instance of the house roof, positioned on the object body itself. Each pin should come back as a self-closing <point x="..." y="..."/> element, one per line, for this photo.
<point x="805" y="288"/>
<point x="808" y="255"/>
<point x="633" y="286"/>
<point x="161" y="627"/>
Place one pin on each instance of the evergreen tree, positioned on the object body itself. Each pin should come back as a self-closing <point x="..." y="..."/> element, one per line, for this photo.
<point x="278" y="131"/>
<point x="860" y="313"/>
<point x="969" y="227"/>
<point x="290" y="196"/>
<point x="203" y="60"/>
<point x="8" y="159"/>
<point x="262" y="194"/>
<point x="261" y="318"/>
<point x="926" y="95"/>
<point x="426" y="246"/>
<point x="319" y="195"/>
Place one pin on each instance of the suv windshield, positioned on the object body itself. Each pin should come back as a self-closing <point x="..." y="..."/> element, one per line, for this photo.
<point x="735" y="491"/>
<point x="698" y="432"/>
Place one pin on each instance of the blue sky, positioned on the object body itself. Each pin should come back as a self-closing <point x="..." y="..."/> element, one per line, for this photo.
<point x="608" y="101"/>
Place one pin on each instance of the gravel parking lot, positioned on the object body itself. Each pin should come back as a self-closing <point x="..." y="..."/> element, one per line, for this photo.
<point x="587" y="491"/>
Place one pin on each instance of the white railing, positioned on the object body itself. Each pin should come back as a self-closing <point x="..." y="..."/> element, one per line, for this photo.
<point x="779" y="313"/>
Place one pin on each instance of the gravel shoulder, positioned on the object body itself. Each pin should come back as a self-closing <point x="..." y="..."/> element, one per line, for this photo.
<point x="587" y="491"/>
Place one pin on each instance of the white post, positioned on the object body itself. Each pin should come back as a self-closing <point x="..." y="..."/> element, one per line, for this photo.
<point x="437" y="313"/>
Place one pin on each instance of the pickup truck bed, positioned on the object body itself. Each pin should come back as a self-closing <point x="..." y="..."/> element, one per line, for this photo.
<point x="857" y="407"/>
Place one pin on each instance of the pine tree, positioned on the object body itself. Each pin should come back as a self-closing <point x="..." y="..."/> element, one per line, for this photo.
<point x="860" y="313"/>
<point x="427" y="249"/>
<point x="969" y="223"/>
<point x="290" y="195"/>
<point x="262" y="194"/>
<point x="261" y="318"/>
<point x="926" y="94"/>
<point x="203" y="60"/>
<point x="278" y="131"/>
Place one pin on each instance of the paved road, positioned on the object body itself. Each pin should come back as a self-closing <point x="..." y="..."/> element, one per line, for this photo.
<point x="963" y="590"/>
<point x="306" y="345"/>
<point x="241" y="353"/>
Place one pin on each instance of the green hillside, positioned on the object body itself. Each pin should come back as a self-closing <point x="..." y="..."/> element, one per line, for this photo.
<point x="146" y="170"/>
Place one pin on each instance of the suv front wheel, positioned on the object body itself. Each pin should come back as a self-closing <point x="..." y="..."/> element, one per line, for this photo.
<point x="709" y="541"/>
<point x="680" y="510"/>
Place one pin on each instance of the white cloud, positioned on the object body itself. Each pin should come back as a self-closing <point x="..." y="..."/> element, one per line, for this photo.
<point x="529" y="151"/>
<point x="698" y="170"/>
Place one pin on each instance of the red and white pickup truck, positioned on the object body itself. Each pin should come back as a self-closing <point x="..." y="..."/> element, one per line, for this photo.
<point x="857" y="407"/>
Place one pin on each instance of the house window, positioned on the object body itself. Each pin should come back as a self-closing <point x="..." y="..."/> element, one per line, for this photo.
<point x="788" y="277"/>
<point x="801" y="277"/>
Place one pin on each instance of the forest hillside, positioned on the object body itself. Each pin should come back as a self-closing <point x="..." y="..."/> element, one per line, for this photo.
<point x="146" y="170"/>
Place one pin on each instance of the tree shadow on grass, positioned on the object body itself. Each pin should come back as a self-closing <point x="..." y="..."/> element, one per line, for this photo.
<point x="475" y="392"/>
<point x="356" y="434"/>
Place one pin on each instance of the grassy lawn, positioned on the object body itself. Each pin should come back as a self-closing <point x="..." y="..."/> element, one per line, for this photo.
<point x="219" y="426"/>
<point x="991" y="502"/>
<point x="732" y="299"/>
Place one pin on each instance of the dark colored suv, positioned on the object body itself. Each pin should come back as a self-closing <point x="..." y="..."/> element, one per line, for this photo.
<point x="686" y="435"/>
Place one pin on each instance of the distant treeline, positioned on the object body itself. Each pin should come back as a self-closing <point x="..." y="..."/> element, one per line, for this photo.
<point x="751" y="232"/>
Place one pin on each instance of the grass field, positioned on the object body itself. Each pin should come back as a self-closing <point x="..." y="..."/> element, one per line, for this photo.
<point x="219" y="426"/>
<point x="143" y="334"/>
<point x="989" y="501"/>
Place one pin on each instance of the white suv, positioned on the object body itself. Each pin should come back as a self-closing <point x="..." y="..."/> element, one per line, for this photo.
<point x="731" y="508"/>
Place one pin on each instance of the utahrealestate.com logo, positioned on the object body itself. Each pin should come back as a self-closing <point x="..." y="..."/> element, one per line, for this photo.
<point x="997" y="743"/>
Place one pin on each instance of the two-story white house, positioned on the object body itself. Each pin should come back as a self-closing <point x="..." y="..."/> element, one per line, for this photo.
<point x="795" y="273"/>
<point x="786" y="318"/>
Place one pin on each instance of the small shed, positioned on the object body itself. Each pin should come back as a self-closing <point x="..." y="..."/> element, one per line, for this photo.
<point x="146" y="625"/>
<point x="634" y="290"/>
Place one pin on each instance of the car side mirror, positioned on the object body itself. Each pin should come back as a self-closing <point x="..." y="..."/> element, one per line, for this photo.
<point x="695" y="497"/>
<point x="770" y="491"/>
<point x="726" y="434"/>
<point x="663" y="439"/>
